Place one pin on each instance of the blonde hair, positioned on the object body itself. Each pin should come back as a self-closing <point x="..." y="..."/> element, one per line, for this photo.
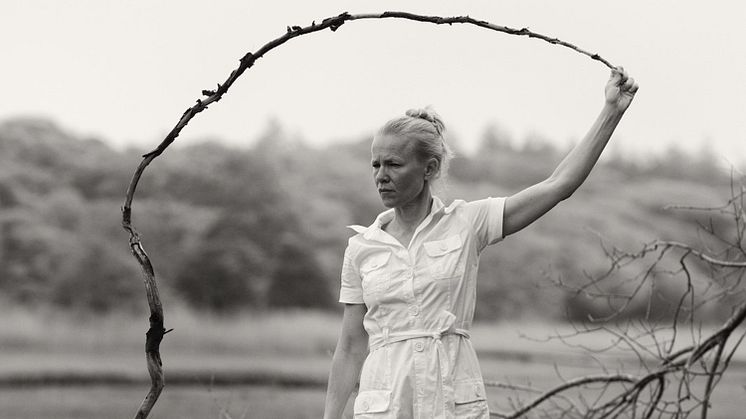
<point x="426" y="129"/>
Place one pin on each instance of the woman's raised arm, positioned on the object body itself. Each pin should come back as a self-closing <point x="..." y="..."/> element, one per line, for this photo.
<point x="352" y="348"/>
<point x="528" y="205"/>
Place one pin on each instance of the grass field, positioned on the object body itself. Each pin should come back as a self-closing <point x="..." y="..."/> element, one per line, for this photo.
<point x="210" y="362"/>
<point x="206" y="402"/>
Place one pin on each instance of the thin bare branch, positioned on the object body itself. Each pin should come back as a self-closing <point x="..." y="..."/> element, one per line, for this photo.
<point x="578" y="382"/>
<point x="705" y="257"/>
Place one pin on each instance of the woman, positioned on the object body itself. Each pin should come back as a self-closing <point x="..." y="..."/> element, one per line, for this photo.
<point x="408" y="280"/>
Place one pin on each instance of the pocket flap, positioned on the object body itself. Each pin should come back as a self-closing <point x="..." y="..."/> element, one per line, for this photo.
<point x="372" y="401"/>
<point x="469" y="391"/>
<point x="376" y="261"/>
<point x="441" y="247"/>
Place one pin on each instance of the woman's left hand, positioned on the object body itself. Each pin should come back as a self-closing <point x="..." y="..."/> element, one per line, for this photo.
<point x="620" y="89"/>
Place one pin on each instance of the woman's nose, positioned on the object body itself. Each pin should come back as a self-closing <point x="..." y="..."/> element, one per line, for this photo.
<point x="381" y="176"/>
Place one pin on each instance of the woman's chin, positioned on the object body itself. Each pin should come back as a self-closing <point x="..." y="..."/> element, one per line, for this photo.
<point x="388" y="202"/>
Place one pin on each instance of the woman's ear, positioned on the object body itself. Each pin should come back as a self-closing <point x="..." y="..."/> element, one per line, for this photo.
<point x="431" y="169"/>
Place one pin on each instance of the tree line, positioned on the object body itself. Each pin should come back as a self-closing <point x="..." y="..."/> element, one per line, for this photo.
<point x="264" y="227"/>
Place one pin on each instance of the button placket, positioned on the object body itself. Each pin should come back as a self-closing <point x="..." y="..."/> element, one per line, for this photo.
<point x="411" y="279"/>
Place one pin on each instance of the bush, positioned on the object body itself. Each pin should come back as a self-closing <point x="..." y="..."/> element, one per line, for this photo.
<point x="104" y="280"/>
<point x="298" y="281"/>
<point x="218" y="277"/>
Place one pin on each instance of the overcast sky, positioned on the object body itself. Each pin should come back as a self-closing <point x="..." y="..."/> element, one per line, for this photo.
<point x="124" y="71"/>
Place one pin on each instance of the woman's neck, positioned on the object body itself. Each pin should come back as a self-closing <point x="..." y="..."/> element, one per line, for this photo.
<point x="409" y="216"/>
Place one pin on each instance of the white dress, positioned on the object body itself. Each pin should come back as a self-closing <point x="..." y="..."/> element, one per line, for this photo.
<point x="420" y="303"/>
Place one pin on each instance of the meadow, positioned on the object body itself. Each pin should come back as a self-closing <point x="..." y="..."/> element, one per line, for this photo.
<point x="268" y="365"/>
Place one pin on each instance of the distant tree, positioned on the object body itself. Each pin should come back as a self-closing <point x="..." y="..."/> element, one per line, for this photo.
<point x="102" y="281"/>
<point x="537" y="144"/>
<point x="8" y="198"/>
<point x="495" y="139"/>
<point x="298" y="281"/>
<point x="34" y="255"/>
<point x="218" y="276"/>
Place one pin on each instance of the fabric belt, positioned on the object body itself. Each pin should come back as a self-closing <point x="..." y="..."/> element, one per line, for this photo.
<point x="388" y="338"/>
<point x="446" y="380"/>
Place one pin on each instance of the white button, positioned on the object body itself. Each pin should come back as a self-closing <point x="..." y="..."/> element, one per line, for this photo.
<point x="365" y="406"/>
<point x="414" y="310"/>
<point x="477" y="390"/>
<point x="443" y="246"/>
<point x="419" y="346"/>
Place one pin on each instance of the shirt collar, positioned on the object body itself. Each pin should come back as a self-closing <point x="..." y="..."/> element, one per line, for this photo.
<point x="386" y="216"/>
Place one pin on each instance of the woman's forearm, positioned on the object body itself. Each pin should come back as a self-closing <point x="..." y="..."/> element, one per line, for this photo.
<point x="526" y="206"/>
<point x="576" y="166"/>
<point x="345" y="371"/>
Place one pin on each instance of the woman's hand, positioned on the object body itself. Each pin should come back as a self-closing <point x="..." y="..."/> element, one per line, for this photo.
<point x="620" y="89"/>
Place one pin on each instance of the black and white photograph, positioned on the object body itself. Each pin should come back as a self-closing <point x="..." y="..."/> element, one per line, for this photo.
<point x="372" y="210"/>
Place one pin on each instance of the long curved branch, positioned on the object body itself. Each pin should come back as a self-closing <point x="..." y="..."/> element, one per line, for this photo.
<point x="156" y="331"/>
<point x="333" y="23"/>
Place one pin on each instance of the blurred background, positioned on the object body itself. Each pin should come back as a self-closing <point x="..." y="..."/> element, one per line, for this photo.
<point x="275" y="171"/>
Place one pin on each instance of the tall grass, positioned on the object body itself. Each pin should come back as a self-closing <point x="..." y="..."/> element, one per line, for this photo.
<point x="284" y="332"/>
<point x="294" y="333"/>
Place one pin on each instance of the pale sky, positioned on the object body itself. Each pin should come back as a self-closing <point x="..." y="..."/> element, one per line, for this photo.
<point x="124" y="71"/>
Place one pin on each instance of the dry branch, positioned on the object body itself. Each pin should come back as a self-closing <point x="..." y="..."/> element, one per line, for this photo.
<point x="673" y="381"/>
<point x="334" y="23"/>
<point x="157" y="330"/>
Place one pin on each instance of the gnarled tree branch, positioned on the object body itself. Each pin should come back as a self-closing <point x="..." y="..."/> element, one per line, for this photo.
<point x="333" y="23"/>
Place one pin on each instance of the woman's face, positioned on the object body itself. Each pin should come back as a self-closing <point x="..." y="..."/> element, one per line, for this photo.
<point x="397" y="171"/>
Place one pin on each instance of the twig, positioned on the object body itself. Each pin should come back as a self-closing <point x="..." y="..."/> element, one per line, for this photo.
<point x="578" y="382"/>
<point x="705" y="257"/>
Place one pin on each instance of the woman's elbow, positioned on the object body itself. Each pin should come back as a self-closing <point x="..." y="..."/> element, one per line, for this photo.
<point x="563" y="186"/>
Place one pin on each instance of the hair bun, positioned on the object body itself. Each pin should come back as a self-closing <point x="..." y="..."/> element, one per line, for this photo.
<point x="428" y="114"/>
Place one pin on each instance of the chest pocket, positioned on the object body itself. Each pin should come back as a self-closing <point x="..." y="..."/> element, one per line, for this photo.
<point x="444" y="257"/>
<point x="374" y="273"/>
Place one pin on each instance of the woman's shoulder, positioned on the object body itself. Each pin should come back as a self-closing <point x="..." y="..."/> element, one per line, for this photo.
<point x="462" y="205"/>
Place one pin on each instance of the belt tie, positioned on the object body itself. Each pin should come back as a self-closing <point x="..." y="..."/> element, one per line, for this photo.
<point x="446" y="409"/>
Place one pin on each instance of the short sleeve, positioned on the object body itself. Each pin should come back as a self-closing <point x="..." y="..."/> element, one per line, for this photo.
<point x="351" y="291"/>
<point x="486" y="217"/>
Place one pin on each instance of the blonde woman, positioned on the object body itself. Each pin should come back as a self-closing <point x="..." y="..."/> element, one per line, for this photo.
<point x="409" y="279"/>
